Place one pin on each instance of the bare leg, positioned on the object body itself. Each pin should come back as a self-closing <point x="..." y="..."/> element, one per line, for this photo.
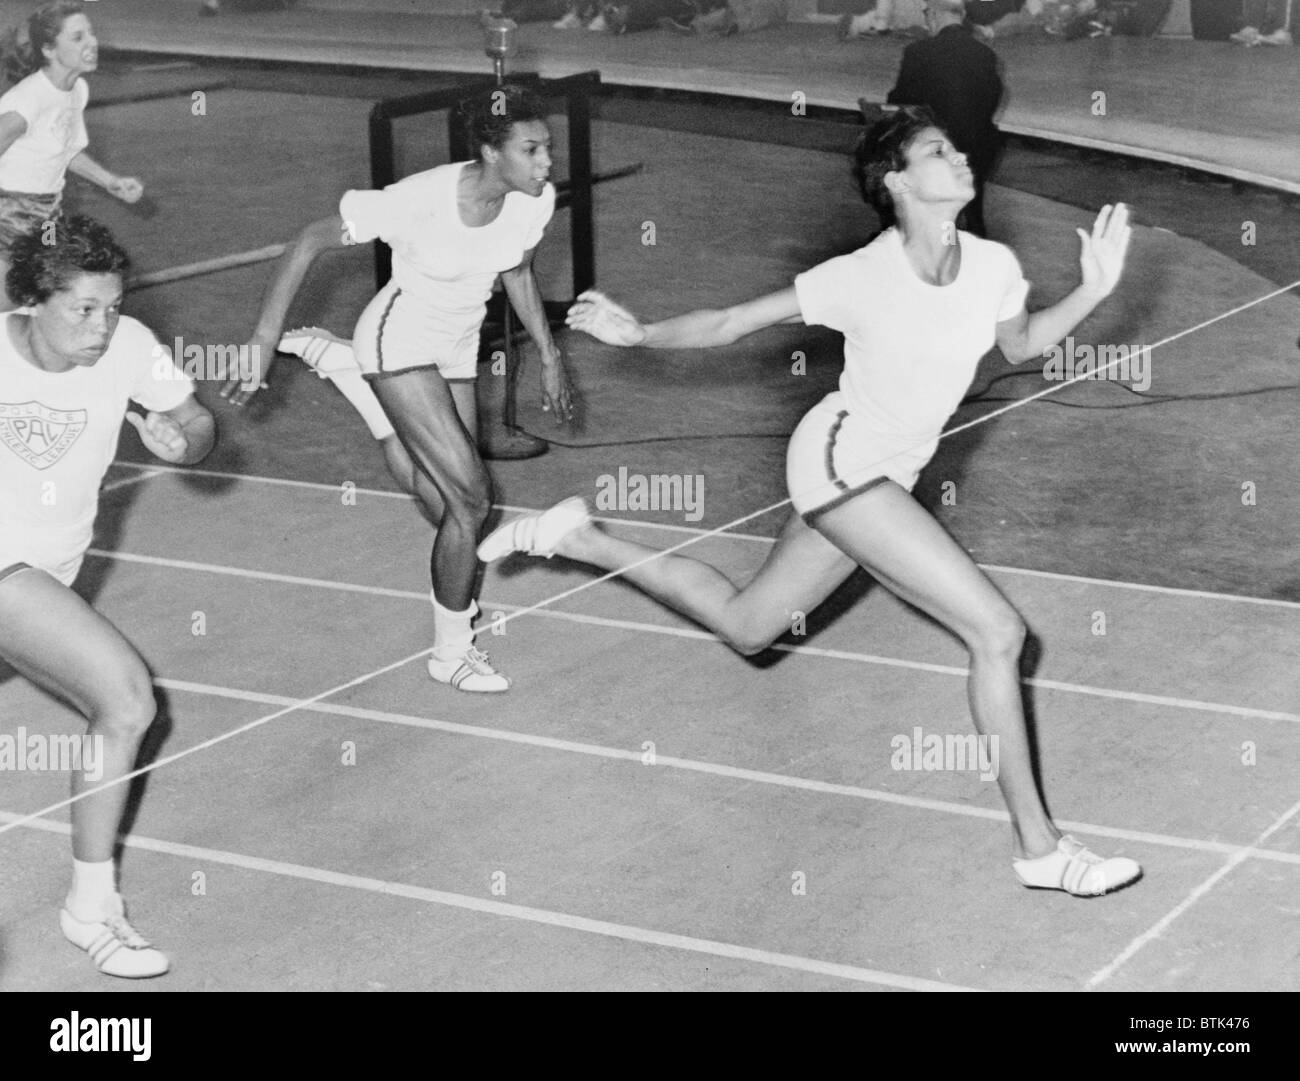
<point x="422" y="408"/>
<point x="893" y="537"/>
<point x="800" y="572"/>
<point x="408" y="475"/>
<point x="55" y="639"/>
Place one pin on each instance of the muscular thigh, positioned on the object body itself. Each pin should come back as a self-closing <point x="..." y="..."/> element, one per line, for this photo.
<point x="424" y="411"/>
<point x="893" y="537"/>
<point x="802" y="570"/>
<point x="53" y="637"/>
<point x="464" y="399"/>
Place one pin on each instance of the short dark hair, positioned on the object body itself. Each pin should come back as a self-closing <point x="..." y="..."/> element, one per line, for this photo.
<point x="23" y="54"/>
<point x="50" y="257"/>
<point x="883" y="149"/>
<point x="489" y="116"/>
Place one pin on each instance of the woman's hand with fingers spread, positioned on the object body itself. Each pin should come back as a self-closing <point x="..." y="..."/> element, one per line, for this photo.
<point x="1101" y="257"/>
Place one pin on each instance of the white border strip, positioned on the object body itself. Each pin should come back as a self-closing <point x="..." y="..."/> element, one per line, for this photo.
<point x="737" y="773"/>
<point x="686" y="632"/>
<point x="546" y="917"/>
<point x="1162" y="924"/>
<point x="380" y="493"/>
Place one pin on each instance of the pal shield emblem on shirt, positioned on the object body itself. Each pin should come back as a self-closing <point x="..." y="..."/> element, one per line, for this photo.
<point x="39" y="435"/>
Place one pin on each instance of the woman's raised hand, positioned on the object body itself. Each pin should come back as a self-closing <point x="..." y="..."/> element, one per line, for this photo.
<point x="1101" y="258"/>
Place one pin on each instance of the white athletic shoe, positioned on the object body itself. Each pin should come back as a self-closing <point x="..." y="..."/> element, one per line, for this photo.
<point x="1076" y="870"/>
<point x="116" y="948"/>
<point x="1277" y="37"/>
<point x="1247" y="35"/>
<point x="537" y="533"/>
<point x="320" y="350"/>
<point x="598" y="24"/>
<point x="569" y="22"/>
<point x="470" y="671"/>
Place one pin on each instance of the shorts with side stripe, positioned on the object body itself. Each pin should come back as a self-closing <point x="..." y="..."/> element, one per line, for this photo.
<point x="397" y="333"/>
<point x="834" y="456"/>
<point x="63" y="566"/>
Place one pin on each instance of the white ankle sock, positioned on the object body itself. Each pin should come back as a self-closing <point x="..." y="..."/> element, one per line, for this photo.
<point x="453" y="632"/>
<point x="94" y="890"/>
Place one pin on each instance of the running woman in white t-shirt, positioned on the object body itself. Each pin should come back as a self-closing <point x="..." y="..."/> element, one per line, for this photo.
<point x="410" y="368"/>
<point x="42" y="122"/>
<point x="69" y="365"/>
<point x="918" y="307"/>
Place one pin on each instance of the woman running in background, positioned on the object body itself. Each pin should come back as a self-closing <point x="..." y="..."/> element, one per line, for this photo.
<point x="918" y="307"/>
<point x="410" y="368"/>
<point x="42" y="122"/>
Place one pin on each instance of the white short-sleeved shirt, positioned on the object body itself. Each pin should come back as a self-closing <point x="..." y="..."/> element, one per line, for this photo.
<point x="438" y="260"/>
<point x="911" y="348"/>
<point x="37" y="162"/>
<point x="58" y="434"/>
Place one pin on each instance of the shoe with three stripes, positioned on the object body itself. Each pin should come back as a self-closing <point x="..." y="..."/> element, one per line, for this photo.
<point x="468" y="671"/>
<point x="1076" y="870"/>
<point x="320" y="350"/>
<point x="537" y="533"/>
<point x="115" y="947"/>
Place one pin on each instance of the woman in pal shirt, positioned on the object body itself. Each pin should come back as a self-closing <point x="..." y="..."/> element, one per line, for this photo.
<point x="69" y="366"/>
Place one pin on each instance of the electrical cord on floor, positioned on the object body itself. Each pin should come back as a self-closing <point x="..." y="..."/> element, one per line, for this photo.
<point x="1146" y="399"/>
<point x="657" y="439"/>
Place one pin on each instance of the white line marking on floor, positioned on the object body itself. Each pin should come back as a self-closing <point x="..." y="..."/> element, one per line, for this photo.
<point x="1170" y="591"/>
<point x="1159" y="927"/>
<point x="167" y="760"/>
<point x="738" y="773"/>
<point x="380" y="493"/>
<point x="686" y="632"/>
<point x="546" y="917"/>
<point x="126" y="482"/>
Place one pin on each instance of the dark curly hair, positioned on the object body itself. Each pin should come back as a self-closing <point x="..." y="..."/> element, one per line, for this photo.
<point x="883" y="149"/>
<point x="50" y="257"/>
<point x="489" y="116"/>
<point x="21" y="49"/>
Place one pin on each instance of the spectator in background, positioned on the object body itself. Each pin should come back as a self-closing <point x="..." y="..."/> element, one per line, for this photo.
<point x="1002" y="18"/>
<point x="988" y="17"/>
<point x="873" y="19"/>
<point x="957" y="77"/>
<point x="527" y="11"/>
<point x="1268" y="22"/>
<point x="628" y="16"/>
<point x="883" y="17"/>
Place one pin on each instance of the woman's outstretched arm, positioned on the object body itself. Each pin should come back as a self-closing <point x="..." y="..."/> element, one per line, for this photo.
<point x="290" y="270"/>
<point x="597" y="315"/>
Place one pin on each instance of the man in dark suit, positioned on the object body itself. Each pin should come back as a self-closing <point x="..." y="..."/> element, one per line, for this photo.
<point x="957" y="77"/>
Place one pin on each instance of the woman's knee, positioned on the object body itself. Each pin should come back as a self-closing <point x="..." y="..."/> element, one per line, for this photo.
<point x="469" y="498"/>
<point x="128" y="707"/>
<point x="746" y="642"/>
<point x="1001" y="633"/>
<point x="748" y="634"/>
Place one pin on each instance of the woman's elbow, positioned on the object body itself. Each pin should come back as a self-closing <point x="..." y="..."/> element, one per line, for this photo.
<point x="322" y="234"/>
